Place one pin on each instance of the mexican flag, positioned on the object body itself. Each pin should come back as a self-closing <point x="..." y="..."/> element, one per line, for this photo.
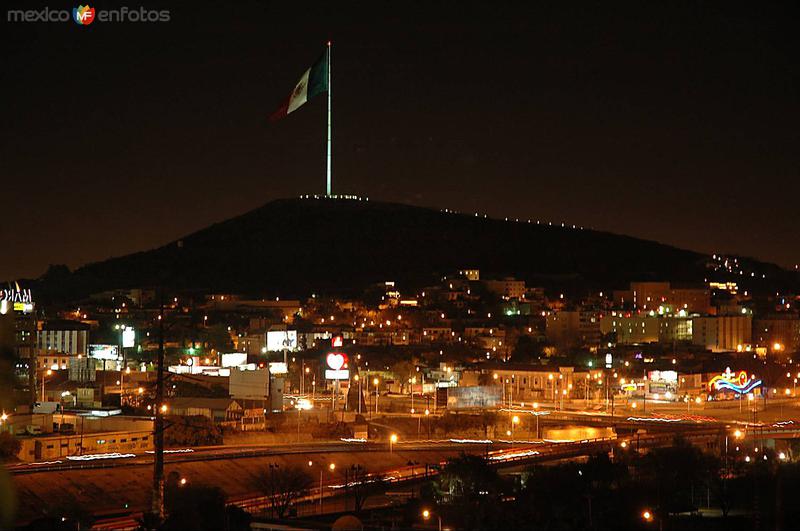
<point x="314" y="81"/>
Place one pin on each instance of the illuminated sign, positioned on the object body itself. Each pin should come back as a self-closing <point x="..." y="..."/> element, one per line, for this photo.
<point x="278" y="367"/>
<point x="16" y="295"/>
<point x="279" y="340"/>
<point x="337" y="341"/>
<point x="128" y="337"/>
<point x="234" y="359"/>
<point x="20" y="299"/>
<point x="335" y="360"/>
<point x="24" y="307"/>
<point x="736" y="382"/>
<point x="337" y="374"/>
<point x="663" y="376"/>
<point x="104" y="352"/>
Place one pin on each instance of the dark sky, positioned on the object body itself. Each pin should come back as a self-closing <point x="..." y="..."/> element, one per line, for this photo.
<point x="674" y="123"/>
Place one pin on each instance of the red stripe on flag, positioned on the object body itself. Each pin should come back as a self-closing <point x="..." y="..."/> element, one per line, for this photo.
<point x="282" y="111"/>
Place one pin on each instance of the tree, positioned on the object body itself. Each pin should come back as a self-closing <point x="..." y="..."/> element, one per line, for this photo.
<point x="469" y="483"/>
<point x="195" y="430"/>
<point x="679" y="469"/>
<point x="218" y="337"/>
<point x="403" y="370"/>
<point x="359" y="481"/>
<point x="195" y="507"/>
<point x="283" y="485"/>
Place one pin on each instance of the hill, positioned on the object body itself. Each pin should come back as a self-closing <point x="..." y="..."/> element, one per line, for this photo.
<point x="293" y="246"/>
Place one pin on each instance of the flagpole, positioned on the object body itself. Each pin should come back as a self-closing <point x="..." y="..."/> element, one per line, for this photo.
<point x="329" y="120"/>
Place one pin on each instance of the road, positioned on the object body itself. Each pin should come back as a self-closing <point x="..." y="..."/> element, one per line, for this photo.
<point x="210" y="453"/>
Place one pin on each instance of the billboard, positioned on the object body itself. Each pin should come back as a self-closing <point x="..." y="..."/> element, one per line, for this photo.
<point x="337" y="374"/>
<point x="128" y="337"/>
<point x="280" y="340"/>
<point x="252" y="385"/>
<point x="278" y="367"/>
<point x="104" y="352"/>
<point x="663" y="376"/>
<point x="234" y="359"/>
<point x="476" y="397"/>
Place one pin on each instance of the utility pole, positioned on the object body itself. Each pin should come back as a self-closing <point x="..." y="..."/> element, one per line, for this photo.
<point x="158" y="426"/>
<point x="31" y="358"/>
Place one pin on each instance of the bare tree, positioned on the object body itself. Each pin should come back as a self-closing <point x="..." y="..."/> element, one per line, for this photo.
<point x="283" y="485"/>
<point x="360" y="482"/>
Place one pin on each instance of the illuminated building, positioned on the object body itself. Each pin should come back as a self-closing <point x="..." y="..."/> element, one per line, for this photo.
<point x="722" y="332"/>
<point x="526" y="383"/>
<point x="573" y="328"/>
<point x="651" y="295"/>
<point x="62" y="336"/>
<point x="631" y="329"/>
<point x="508" y="288"/>
<point x="778" y="330"/>
<point x="470" y="274"/>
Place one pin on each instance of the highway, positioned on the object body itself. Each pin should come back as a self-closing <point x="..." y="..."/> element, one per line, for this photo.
<point x="398" y="480"/>
<point x="210" y="453"/>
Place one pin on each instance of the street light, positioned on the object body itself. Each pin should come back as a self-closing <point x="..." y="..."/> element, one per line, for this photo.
<point x="426" y="514"/>
<point x="356" y="378"/>
<point x="647" y="515"/>
<point x="47" y="373"/>
<point x="375" y="383"/>
<point x="428" y="421"/>
<point x="392" y="441"/>
<point x="331" y="467"/>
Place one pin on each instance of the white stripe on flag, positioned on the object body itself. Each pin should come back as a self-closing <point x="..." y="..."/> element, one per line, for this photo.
<point x="300" y="93"/>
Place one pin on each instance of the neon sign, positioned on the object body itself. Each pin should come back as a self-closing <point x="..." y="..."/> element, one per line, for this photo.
<point x="736" y="382"/>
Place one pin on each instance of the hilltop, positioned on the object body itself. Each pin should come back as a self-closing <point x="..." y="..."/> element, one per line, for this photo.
<point x="293" y="246"/>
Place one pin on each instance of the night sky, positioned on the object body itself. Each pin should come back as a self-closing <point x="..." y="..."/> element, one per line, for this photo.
<point x="678" y="124"/>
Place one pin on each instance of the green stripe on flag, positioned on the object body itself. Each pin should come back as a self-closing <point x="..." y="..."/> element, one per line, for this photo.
<point x="318" y="78"/>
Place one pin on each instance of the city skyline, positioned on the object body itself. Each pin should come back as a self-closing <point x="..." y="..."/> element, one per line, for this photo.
<point x="661" y="124"/>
